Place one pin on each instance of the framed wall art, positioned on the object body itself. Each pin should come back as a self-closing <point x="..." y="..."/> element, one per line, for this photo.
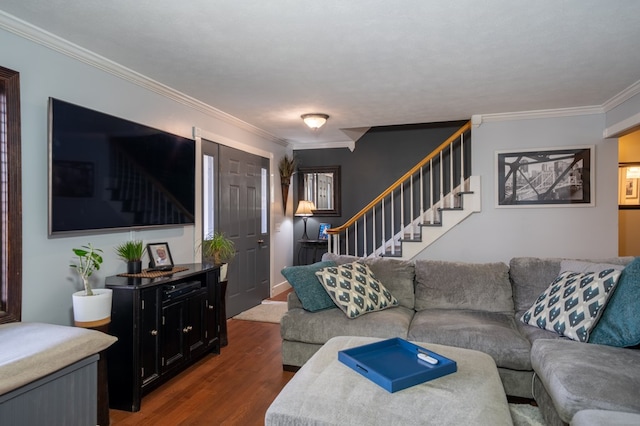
<point x="628" y="180"/>
<point x="548" y="177"/>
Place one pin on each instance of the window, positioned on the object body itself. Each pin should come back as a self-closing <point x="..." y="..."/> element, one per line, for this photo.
<point x="10" y="198"/>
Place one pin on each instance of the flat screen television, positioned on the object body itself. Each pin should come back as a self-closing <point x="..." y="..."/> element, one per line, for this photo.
<point x="108" y="174"/>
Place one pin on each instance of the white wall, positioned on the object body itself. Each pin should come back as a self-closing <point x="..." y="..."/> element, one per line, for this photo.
<point x="47" y="279"/>
<point x="498" y="234"/>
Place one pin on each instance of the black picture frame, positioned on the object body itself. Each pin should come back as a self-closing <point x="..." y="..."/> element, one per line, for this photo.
<point x="316" y="194"/>
<point x="550" y="177"/>
<point x="158" y="259"/>
<point x="322" y="231"/>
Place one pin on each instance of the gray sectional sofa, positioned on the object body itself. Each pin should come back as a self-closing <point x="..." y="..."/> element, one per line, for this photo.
<point x="479" y="306"/>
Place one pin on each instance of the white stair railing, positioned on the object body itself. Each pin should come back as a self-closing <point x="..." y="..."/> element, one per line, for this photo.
<point x="442" y="177"/>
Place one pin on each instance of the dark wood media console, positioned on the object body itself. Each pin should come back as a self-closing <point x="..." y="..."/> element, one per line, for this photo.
<point x="163" y="325"/>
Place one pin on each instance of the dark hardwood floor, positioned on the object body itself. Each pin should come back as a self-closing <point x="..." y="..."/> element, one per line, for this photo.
<point x="233" y="388"/>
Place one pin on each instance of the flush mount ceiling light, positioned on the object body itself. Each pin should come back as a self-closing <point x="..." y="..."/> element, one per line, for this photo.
<point x="315" y="120"/>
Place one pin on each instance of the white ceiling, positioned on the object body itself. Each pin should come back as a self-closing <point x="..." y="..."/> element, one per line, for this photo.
<point x="364" y="62"/>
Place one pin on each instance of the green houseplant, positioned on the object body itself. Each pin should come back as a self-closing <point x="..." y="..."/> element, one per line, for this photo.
<point x="89" y="260"/>
<point x="131" y="252"/>
<point x="91" y="307"/>
<point x="218" y="247"/>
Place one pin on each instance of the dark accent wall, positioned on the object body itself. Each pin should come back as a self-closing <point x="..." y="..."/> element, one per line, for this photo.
<point x="381" y="156"/>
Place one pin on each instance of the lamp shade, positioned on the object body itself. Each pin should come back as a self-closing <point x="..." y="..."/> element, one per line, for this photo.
<point x="314" y="121"/>
<point x="305" y="208"/>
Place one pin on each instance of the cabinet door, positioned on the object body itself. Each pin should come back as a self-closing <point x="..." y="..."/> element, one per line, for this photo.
<point x="149" y="355"/>
<point x="195" y="322"/>
<point x="172" y="334"/>
<point x="213" y="314"/>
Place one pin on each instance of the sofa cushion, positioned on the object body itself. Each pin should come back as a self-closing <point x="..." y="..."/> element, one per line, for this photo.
<point x="580" y="376"/>
<point x="311" y="293"/>
<point x="533" y="333"/>
<point x="397" y="275"/>
<point x="457" y="285"/>
<point x="355" y="289"/>
<point x="620" y="322"/>
<point x="491" y="332"/>
<point x="582" y="266"/>
<point x="530" y="276"/>
<point x="605" y="417"/>
<point x="318" y="327"/>
<point x="573" y="303"/>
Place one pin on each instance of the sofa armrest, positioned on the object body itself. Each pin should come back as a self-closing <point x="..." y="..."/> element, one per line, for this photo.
<point x="293" y="301"/>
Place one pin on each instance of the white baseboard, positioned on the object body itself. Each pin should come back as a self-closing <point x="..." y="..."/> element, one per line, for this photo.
<point x="279" y="288"/>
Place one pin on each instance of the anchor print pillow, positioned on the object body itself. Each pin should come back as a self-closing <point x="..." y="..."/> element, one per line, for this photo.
<point x="573" y="303"/>
<point x="355" y="289"/>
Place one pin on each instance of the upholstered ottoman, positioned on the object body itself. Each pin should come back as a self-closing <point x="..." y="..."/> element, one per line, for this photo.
<point x="327" y="392"/>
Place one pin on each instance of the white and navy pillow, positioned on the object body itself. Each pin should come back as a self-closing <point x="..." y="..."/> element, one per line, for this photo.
<point x="573" y="303"/>
<point x="355" y="289"/>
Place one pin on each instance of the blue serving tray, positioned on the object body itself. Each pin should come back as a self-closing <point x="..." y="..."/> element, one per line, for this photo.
<point x="394" y="364"/>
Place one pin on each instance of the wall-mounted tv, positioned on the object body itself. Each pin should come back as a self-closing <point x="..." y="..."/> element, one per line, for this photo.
<point x="108" y="174"/>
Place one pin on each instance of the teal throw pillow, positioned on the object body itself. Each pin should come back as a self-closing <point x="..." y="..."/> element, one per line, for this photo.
<point x="307" y="286"/>
<point x="620" y="322"/>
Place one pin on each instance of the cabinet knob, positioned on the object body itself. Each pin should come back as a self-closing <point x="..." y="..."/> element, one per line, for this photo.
<point x="154" y="332"/>
<point x="187" y="329"/>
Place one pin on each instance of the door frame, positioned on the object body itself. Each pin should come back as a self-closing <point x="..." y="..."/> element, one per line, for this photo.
<point x="198" y="135"/>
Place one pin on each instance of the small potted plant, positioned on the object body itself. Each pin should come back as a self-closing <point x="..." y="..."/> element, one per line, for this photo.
<point x="91" y="307"/>
<point x="218" y="247"/>
<point x="131" y="252"/>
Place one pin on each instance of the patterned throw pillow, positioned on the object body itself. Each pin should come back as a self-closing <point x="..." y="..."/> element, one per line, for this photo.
<point x="355" y="289"/>
<point x="573" y="303"/>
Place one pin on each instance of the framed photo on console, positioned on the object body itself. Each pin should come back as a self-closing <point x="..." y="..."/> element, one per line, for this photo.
<point x="159" y="256"/>
<point x="322" y="232"/>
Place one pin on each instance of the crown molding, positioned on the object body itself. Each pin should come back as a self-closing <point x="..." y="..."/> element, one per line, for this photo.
<point x="299" y="146"/>
<point x="51" y="41"/>
<point x="622" y="97"/>
<point x="542" y="113"/>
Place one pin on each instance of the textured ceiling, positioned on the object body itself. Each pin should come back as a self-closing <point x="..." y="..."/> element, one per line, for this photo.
<point x="364" y="62"/>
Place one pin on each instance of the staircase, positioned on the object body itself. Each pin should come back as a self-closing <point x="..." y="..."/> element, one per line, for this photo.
<point x="420" y="207"/>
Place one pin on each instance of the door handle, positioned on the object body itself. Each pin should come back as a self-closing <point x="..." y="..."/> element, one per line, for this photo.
<point x="260" y="241"/>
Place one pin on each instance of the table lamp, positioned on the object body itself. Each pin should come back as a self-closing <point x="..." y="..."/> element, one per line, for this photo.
<point x="305" y="209"/>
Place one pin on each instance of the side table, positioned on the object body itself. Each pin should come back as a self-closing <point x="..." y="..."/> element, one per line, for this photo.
<point x="317" y="249"/>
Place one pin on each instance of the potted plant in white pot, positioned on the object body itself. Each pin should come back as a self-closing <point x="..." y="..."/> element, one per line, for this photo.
<point x="131" y="252"/>
<point x="91" y="307"/>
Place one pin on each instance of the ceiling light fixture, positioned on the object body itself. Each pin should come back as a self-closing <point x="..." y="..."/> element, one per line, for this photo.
<point x="315" y="120"/>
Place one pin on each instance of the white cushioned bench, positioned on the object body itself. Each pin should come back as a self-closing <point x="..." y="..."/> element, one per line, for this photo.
<point x="48" y="373"/>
